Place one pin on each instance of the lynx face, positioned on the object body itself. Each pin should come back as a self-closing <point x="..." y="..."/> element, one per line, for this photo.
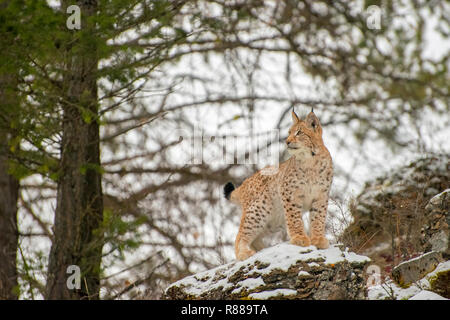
<point x="304" y="136"/>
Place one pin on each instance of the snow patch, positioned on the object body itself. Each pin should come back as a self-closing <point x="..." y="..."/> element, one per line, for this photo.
<point x="437" y="197"/>
<point x="250" y="283"/>
<point x="427" y="295"/>
<point x="272" y="293"/>
<point x="283" y="255"/>
<point x="391" y="291"/>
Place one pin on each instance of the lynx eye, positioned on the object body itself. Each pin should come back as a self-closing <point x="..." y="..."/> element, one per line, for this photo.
<point x="298" y="132"/>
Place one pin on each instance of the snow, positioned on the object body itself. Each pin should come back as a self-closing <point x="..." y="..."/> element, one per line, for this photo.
<point x="313" y="264"/>
<point x="390" y="290"/>
<point x="378" y="248"/>
<point x="443" y="266"/>
<point x="437" y="197"/>
<point x="250" y="283"/>
<point x="303" y="273"/>
<point x="281" y="257"/>
<point x="272" y="293"/>
<point x="427" y="295"/>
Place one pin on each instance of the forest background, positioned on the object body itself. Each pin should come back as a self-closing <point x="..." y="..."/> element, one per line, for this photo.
<point x="120" y="121"/>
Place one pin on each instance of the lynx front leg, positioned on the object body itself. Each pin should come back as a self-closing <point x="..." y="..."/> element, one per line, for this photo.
<point x="318" y="214"/>
<point x="294" y="222"/>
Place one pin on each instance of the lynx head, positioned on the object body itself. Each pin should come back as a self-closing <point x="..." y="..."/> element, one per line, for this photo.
<point x="305" y="136"/>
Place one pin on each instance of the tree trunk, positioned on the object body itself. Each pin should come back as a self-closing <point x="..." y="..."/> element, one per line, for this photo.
<point x="9" y="191"/>
<point x="79" y="211"/>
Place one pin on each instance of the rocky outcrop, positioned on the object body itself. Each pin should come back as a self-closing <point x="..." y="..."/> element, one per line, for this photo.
<point x="390" y="213"/>
<point x="284" y="271"/>
<point x="436" y="234"/>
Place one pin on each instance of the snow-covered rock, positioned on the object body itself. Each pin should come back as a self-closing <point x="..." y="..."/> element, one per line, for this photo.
<point x="283" y="271"/>
<point x="437" y="282"/>
<point x="415" y="269"/>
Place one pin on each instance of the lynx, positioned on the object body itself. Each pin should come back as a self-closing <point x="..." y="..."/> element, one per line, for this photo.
<point x="302" y="183"/>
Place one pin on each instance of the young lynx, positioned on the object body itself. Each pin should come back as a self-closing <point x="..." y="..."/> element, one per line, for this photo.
<point x="301" y="183"/>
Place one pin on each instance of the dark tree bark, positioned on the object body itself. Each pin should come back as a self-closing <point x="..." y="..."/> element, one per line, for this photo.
<point x="9" y="191"/>
<point x="79" y="210"/>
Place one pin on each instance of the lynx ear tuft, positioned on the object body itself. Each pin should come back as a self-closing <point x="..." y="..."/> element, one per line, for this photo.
<point x="295" y="118"/>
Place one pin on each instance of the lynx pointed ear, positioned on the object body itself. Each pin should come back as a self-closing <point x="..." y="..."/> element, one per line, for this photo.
<point x="313" y="122"/>
<point x="295" y="118"/>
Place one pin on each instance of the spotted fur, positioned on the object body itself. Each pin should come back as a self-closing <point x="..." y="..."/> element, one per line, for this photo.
<point x="302" y="183"/>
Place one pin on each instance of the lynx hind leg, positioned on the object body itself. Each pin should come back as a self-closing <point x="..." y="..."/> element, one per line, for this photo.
<point x="258" y="243"/>
<point x="253" y="222"/>
<point x="242" y="248"/>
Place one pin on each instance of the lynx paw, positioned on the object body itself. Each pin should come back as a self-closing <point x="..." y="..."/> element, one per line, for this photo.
<point x="302" y="241"/>
<point x="320" y="242"/>
<point x="244" y="253"/>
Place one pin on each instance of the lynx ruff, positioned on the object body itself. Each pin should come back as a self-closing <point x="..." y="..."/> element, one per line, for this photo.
<point x="302" y="183"/>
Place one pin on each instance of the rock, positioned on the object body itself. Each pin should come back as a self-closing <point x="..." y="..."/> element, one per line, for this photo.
<point x="439" y="280"/>
<point x="415" y="269"/>
<point x="390" y="213"/>
<point x="284" y="271"/>
<point x="436" y="282"/>
<point x="436" y="234"/>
